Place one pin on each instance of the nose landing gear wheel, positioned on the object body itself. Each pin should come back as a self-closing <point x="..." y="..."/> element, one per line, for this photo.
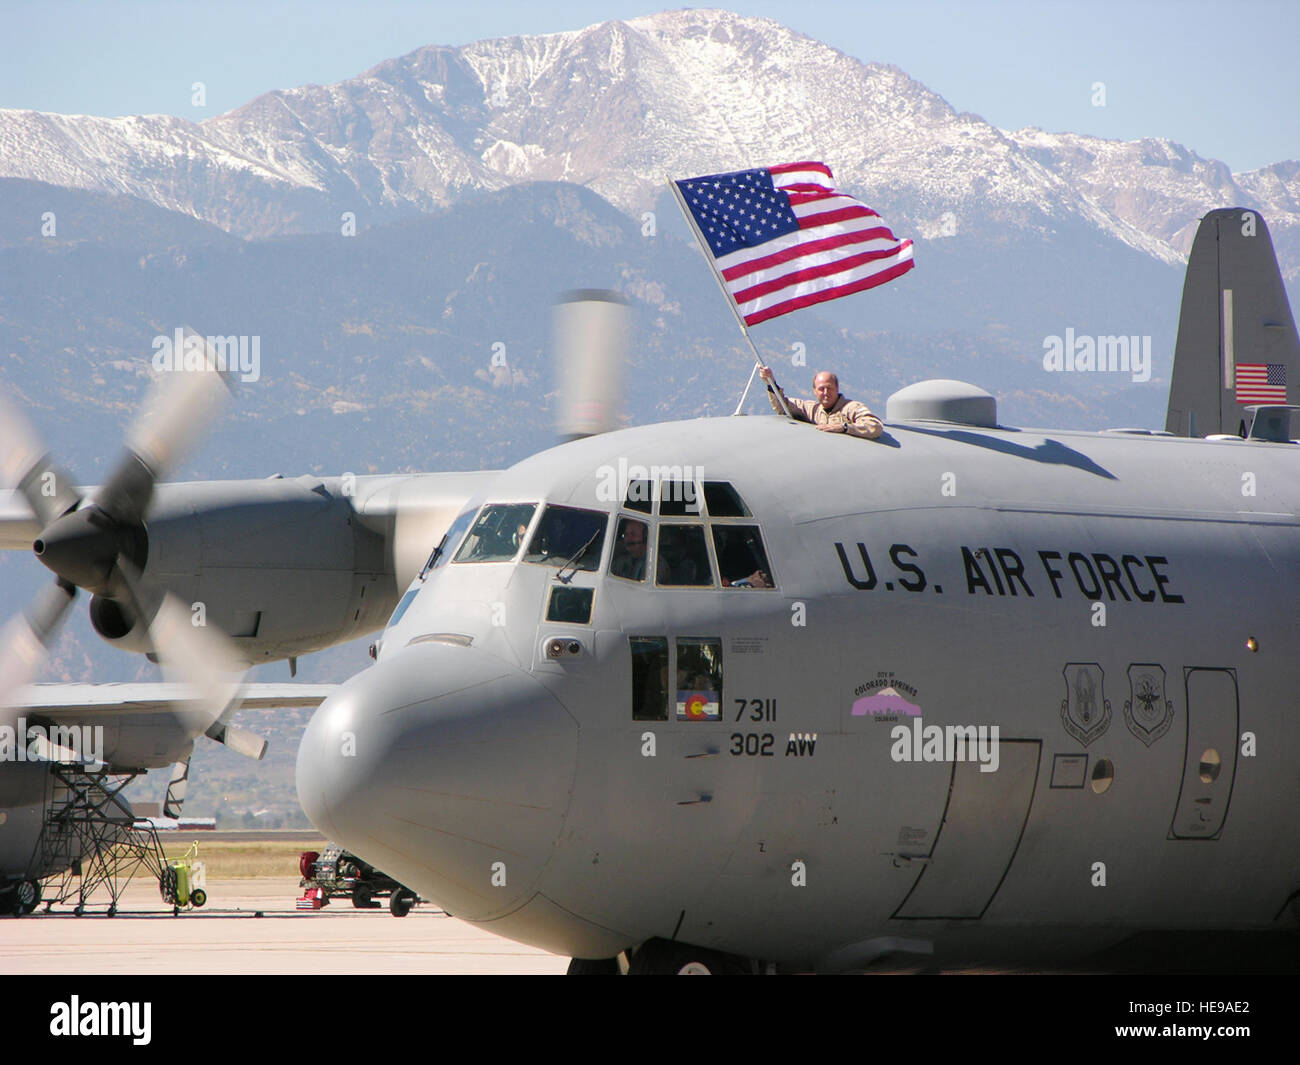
<point x="593" y="967"/>
<point x="659" y="957"/>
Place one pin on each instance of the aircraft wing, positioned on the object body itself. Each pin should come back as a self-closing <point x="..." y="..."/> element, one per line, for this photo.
<point x="144" y="725"/>
<point x="61" y="701"/>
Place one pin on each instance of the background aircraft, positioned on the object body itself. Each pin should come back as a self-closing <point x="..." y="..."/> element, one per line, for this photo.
<point x="208" y="579"/>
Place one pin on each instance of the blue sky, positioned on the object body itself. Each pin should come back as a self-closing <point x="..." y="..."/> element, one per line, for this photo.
<point x="1219" y="77"/>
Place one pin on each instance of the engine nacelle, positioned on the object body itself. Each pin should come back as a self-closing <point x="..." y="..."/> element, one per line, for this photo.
<point x="284" y="567"/>
<point x="117" y="623"/>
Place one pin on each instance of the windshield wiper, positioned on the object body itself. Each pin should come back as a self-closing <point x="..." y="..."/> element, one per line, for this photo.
<point x="433" y="558"/>
<point x="575" y="559"/>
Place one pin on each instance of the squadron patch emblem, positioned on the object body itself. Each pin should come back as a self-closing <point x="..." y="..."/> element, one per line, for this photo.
<point x="1147" y="712"/>
<point x="1085" y="710"/>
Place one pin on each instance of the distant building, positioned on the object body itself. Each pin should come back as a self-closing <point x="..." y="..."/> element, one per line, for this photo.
<point x="183" y="824"/>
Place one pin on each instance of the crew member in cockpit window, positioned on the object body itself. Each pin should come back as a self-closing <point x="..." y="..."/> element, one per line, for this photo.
<point x="830" y="412"/>
<point x="742" y="563"/>
<point x="629" y="550"/>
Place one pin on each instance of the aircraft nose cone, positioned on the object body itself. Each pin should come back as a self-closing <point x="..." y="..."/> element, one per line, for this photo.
<point x="446" y="768"/>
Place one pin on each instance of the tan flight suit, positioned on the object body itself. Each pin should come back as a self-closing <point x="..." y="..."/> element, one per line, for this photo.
<point x="856" y="417"/>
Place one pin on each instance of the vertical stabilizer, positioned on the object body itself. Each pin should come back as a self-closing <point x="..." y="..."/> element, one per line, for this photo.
<point x="1236" y="337"/>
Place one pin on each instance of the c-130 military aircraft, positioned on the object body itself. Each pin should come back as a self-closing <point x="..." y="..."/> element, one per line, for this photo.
<point x="812" y="722"/>
<point x="966" y="695"/>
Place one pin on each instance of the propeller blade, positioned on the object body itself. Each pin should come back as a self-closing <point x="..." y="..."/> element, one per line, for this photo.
<point x="27" y="466"/>
<point x="183" y="404"/>
<point x="239" y="740"/>
<point x="589" y="337"/>
<point x="197" y="656"/>
<point x="26" y="640"/>
<point x="177" y="785"/>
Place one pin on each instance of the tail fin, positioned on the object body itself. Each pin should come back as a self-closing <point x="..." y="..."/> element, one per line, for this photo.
<point x="1234" y="315"/>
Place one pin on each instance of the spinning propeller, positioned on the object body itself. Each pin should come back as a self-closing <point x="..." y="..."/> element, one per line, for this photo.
<point x="101" y="543"/>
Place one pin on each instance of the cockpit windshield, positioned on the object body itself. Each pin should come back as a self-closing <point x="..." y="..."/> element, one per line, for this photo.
<point x="567" y="536"/>
<point x="498" y="533"/>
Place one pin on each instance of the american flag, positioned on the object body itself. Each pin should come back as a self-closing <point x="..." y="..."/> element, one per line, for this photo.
<point x="1261" y="382"/>
<point x="784" y="238"/>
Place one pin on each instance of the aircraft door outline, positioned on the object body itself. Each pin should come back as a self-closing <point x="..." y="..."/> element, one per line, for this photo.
<point x="1209" y="752"/>
<point x="979" y="835"/>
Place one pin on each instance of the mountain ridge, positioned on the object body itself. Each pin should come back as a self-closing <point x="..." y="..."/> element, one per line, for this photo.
<point x="618" y="105"/>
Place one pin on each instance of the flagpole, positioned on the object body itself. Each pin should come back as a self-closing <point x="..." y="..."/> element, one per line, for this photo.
<point x="713" y="265"/>
<point x="745" y="394"/>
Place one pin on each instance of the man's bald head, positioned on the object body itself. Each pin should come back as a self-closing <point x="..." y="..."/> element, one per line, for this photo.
<point x="826" y="386"/>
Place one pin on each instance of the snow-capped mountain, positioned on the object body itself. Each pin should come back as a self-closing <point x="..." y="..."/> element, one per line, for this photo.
<point x="618" y="106"/>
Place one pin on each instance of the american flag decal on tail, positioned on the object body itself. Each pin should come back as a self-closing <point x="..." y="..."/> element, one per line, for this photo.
<point x="1261" y="382"/>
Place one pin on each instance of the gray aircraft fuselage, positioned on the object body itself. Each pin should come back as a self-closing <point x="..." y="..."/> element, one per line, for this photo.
<point x="1095" y="597"/>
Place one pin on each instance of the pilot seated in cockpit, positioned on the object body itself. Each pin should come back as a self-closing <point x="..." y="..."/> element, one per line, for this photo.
<point x="628" y="560"/>
<point x="741" y="562"/>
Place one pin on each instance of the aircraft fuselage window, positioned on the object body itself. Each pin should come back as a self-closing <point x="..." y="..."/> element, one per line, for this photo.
<point x="572" y="605"/>
<point x="678" y="499"/>
<point x="699" y="678"/>
<point x="638" y="496"/>
<point x="569" y="537"/>
<point x="723" y="501"/>
<point x="742" y="562"/>
<point x="442" y="553"/>
<point x="683" y="557"/>
<point x="630" y="550"/>
<point x="649" y="677"/>
<point x="498" y="533"/>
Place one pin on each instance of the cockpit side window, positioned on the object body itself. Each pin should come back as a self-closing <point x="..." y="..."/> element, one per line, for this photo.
<point x="568" y="537"/>
<point x="683" y="557"/>
<point x="649" y="678"/>
<point x="450" y="541"/>
<point x="498" y="533"/>
<point x="402" y="607"/>
<point x="631" y="548"/>
<point x="699" y="678"/>
<point x="742" y="562"/>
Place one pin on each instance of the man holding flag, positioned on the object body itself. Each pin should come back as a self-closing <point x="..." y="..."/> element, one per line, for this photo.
<point x="831" y="411"/>
<point x="783" y="238"/>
